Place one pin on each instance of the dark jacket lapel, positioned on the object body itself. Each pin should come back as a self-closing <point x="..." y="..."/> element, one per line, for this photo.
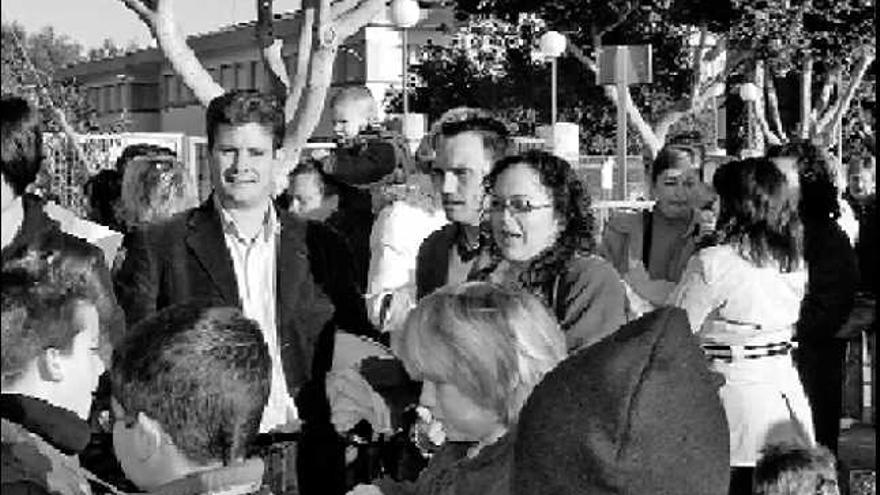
<point x="206" y="241"/>
<point x="292" y="262"/>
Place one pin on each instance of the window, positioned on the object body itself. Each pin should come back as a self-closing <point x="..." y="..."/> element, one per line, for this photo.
<point x="106" y="96"/>
<point x="167" y="82"/>
<point x="181" y="91"/>
<point x="254" y="82"/>
<point x="226" y="77"/>
<point x="118" y="104"/>
<point x="237" y="77"/>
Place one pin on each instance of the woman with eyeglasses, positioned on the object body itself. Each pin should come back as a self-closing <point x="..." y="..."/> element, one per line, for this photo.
<point x="743" y="298"/>
<point x="542" y="241"/>
<point x="651" y="248"/>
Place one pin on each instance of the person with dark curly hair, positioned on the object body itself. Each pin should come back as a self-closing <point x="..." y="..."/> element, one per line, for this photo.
<point x="743" y="299"/>
<point x="542" y="241"/>
<point x="833" y="278"/>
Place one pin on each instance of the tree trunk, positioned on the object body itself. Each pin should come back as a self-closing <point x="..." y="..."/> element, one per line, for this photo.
<point x="806" y="97"/>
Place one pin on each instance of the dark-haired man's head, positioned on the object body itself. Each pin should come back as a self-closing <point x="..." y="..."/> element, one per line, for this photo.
<point x="103" y="192"/>
<point x="796" y="470"/>
<point x="675" y="176"/>
<point x="311" y="196"/>
<point x="20" y="147"/>
<point x="812" y="174"/>
<point x="245" y="130"/>
<point x="55" y="310"/>
<point x="467" y="145"/>
<point x="189" y="387"/>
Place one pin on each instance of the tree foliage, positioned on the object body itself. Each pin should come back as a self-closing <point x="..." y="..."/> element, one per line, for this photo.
<point x="30" y="62"/>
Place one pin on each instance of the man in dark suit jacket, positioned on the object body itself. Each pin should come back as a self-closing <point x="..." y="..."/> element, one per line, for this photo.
<point x="292" y="276"/>
<point x="469" y="142"/>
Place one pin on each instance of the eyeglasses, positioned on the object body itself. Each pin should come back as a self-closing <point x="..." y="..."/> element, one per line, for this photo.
<point x="517" y="205"/>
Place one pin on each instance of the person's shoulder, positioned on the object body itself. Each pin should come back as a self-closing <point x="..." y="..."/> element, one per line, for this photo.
<point x="591" y="267"/>
<point x="438" y="237"/>
<point x="625" y="221"/>
<point x="31" y="466"/>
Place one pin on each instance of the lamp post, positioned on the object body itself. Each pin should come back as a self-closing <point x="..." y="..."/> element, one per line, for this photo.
<point x="405" y="14"/>
<point x="552" y="44"/>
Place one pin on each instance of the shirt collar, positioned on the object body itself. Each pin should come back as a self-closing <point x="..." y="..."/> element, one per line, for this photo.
<point x="269" y="228"/>
<point x="236" y="479"/>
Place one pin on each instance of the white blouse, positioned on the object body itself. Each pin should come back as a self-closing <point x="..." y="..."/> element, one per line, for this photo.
<point x="731" y="301"/>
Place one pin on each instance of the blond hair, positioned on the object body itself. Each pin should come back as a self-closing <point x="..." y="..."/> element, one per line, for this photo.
<point x="154" y="187"/>
<point x="492" y="343"/>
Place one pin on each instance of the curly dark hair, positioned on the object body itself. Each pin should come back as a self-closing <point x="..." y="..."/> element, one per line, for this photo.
<point x="816" y="172"/>
<point x="757" y="214"/>
<point x="239" y="107"/>
<point x="571" y="202"/>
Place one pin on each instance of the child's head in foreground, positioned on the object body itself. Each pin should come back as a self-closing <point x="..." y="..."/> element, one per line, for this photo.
<point x="796" y="470"/>
<point x="55" y="311"/>
<point x="189" y="387"/>
<point x="480" y="350"/>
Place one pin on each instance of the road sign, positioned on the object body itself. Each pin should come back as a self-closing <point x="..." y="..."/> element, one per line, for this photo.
<point x="622" y="65"/>
<point x="636" y="60"/>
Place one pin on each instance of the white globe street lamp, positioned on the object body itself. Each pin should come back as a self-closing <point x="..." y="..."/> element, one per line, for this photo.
<point x="405" y="14"/>
<point x="552" y="45"/>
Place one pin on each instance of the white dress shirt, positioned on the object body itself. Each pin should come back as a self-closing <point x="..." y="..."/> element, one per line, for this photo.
<point x="254" y="262"/>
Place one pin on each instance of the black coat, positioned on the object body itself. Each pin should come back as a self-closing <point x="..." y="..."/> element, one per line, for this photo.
<point x="186" y="258"/>
<point x="832" y="279"/>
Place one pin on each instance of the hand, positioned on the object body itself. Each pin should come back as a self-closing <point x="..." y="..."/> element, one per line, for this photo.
<point x="352" y="399"/>
<point x="365" y="490"/>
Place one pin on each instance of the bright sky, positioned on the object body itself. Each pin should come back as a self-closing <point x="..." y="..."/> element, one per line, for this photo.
<point x="90" y="21"/>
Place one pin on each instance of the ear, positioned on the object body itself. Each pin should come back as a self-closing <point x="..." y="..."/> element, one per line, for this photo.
<point x="148" y="437"/>
<point x="49" y="363"/>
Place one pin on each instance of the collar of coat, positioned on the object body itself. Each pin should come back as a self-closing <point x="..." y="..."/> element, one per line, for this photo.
<point x="59" y="427"/>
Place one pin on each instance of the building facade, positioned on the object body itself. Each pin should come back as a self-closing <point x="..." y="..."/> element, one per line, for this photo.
<point x="141" y="91"/>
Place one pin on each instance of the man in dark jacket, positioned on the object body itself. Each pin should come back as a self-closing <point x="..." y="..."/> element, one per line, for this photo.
<point x="832" y="275"/>
<point x="468" y="144"/>
<point x="290" y="275"/>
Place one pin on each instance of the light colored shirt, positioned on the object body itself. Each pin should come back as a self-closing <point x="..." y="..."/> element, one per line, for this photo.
<point x="255" y="273"/>
<point x="731" y="301"/>
<point x="398" y="231"/>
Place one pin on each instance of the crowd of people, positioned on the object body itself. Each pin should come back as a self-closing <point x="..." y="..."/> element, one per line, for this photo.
<point x="445" y="323"/>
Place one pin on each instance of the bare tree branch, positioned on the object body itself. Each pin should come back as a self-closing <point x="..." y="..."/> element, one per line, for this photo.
<point x="621" y="18"/>
<point x="583" y="58"/>
<point x="270" y="47"/>
<point x="773" y="103"/>
<point x="342" y="6"/>
<point x="806" y="97"/>
<point x="146" y="15"/>
<point x="352" y="20"/>
<point x="173" y="44"/>
<point x="698" y="63"/>
<point x="858" y="74"/>
<point x="645" y="131"/>
<point x="303" y="57"/>
<point x="827" y="88"/>
<point x="760" y="112"/>
<point x="314" y="92"/>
